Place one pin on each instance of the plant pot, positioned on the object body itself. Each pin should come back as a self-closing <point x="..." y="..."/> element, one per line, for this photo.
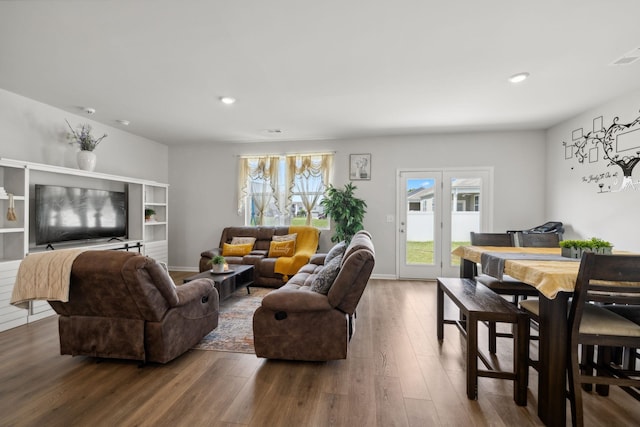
<point x="86" y="160"/>
<point x="577" y="252"/>
<point x="217" y="268"/>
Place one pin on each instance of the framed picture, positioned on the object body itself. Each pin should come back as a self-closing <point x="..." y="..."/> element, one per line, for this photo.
<point x="359" y="167"/>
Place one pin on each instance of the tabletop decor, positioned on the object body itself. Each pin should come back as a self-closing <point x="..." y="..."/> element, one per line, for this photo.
<point x="218" y="264"/>
<point x="575" y="248"/>
<point x="86" y="157"/>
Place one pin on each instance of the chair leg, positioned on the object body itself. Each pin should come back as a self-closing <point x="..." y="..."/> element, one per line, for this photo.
<point x="492" y="337"/>
<point x="586" y="368"/>
<point x="575" y="391"/>
<point x="521" y="360"/>
<point x="605" y="355"/>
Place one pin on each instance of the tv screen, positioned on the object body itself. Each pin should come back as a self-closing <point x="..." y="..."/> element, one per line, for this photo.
<point x="69" y="213"/>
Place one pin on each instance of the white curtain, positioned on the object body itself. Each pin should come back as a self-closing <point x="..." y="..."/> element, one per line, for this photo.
<point x="308" y="176"/>
<point x="262" y="172"/>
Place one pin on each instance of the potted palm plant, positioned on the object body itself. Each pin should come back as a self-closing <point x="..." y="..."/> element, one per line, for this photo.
<point x="346" y="211"/>
<point x="217" y="264"/>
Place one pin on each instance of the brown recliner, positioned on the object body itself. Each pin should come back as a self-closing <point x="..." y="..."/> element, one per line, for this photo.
<point x="124" y="305"/>
<point x="296" y="323"/>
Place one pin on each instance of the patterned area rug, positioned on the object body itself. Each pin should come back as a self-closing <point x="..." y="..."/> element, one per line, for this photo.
<point x="235" y="324"/>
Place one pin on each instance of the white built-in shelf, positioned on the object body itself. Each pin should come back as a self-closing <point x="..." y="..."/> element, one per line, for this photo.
<point x="154" y="204"/>
<point x="12" y="230"/>
<point x="14" y="197"/>
<point x="155" y="223"/>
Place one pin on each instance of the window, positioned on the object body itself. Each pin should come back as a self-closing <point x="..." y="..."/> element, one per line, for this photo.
<point x="284" y="190"/>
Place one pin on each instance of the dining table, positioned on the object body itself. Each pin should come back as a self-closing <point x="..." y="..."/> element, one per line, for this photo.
<point x="554" y="277"/>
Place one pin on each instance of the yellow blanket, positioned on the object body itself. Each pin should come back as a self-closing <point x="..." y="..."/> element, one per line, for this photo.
<point x="44" y="276"/>
<point x="306" y="245"/>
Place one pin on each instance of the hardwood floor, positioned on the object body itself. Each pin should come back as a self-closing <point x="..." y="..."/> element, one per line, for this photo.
<point x="396" y="374"/>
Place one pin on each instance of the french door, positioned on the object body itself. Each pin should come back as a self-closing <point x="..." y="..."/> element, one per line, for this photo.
<point x="437" y="209"/>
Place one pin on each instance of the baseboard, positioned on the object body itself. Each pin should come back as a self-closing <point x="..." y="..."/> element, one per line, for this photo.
<point x="174" y="268"/>
<point x="384" y="276"/>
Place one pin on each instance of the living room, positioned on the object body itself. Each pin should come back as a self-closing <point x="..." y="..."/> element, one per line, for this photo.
<point x="533" y="180"/>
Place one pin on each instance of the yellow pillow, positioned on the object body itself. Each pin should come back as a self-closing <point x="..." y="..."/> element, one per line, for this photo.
<point x="285" y="248"/>
<point x="236" y="250"/>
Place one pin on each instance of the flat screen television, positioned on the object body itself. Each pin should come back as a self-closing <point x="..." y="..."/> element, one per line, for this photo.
<point x="70" y="213"/>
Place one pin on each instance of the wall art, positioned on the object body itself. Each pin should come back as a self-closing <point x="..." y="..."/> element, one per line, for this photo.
<point x="617" y="145"/>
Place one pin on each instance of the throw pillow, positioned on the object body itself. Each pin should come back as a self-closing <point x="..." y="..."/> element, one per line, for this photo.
<point x="325" y="278"/>
<point x="336" y="250"/>
<point x="243" y="241"/>
<point x="278" y="249"/>
<point x="284" y="238"/>
<point x="236" y="250"/>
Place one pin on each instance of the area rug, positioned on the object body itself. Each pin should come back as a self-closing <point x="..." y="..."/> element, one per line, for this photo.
<point x="235" y="324"/>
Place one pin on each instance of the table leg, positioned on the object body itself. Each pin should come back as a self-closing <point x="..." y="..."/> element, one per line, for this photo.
<point x="553" y="360"/>
<point x="439" y="312"/>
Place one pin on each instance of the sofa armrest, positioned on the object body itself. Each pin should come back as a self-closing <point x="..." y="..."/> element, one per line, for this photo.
<point x="210" y="253"/>
<point x="317" y="259"/>
<point x="296" y="300"/>
<point x="196" y="290"/>
<point x="196" y="300"/>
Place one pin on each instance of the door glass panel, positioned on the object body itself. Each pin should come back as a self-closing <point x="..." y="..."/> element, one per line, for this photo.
<point x="465" y="211"/>
<point x="420" y="225"/>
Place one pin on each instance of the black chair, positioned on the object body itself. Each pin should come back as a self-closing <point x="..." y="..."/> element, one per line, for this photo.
<point x="507" y="286"/>
<point x="537" y="240"/>
<point x="609" y="279"/>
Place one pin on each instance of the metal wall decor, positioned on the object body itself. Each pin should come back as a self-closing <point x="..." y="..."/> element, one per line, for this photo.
<point x="619" y="145"/>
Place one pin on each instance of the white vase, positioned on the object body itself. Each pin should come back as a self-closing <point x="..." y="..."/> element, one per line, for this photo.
<point x="217" y="268"/>
<point x="86" y="160"/>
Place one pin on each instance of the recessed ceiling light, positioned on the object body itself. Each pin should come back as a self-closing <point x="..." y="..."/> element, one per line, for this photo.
<point x="520" y="77"/>
<point x="227" y="100"/>
<point x="89" y="110"/>
<point x="274" y="130"/>
<point x="123" y="122"/>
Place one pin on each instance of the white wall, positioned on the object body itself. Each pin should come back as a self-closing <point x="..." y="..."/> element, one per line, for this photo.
<point x="586" y="213"/>
<point x="203" y="183"/>
<point x="36" y="132"/>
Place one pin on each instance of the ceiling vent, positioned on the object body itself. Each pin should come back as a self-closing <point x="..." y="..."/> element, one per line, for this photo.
<point x="628" y="58"/>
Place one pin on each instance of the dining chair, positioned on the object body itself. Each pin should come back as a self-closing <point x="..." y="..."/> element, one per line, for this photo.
<point x="508" y="286"/>
<point x="537" y="240"/>
<point x="631" y="312"/>
<point x="613" y="279"/>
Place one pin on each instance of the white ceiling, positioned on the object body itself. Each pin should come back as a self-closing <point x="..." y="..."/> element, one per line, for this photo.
<point x="318" y="70"/>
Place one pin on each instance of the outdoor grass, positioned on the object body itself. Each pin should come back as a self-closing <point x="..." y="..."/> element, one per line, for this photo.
<point x="316" y="222"/>
<point x="422" y="252"/>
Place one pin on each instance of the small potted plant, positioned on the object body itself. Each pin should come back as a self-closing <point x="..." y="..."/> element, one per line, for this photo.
<point x="217" y="264"/>
<point x="575" y="248"/>
<point x="148" y="214"/>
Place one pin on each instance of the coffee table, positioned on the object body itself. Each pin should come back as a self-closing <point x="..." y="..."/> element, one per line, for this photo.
<point x="238" y="276"/>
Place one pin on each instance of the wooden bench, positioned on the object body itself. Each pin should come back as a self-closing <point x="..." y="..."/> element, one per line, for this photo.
<point x="477" y="303"/>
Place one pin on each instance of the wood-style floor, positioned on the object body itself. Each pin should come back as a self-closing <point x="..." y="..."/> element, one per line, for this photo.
<point x="397" y="374"/>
